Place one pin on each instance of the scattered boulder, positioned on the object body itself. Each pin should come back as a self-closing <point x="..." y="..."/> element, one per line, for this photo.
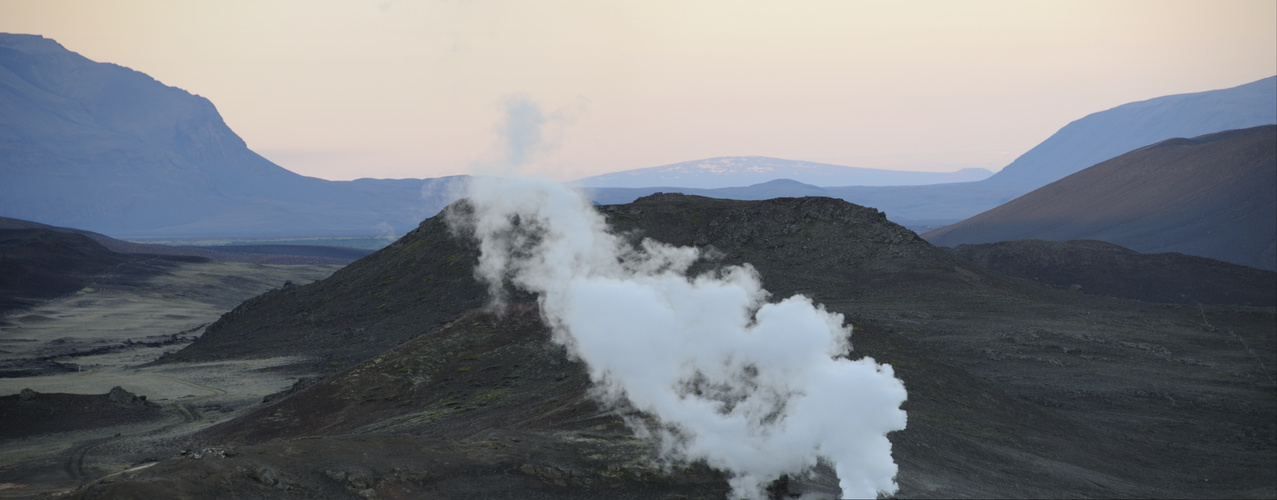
<point x="122" y="397"/>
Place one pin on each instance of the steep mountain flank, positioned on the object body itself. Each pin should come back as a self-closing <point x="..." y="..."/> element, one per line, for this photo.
<point x="105" y="148"/>
<point x="1212" y="196"/>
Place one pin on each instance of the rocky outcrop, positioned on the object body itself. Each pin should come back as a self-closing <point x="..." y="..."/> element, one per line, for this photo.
<point x="122" y="397"/>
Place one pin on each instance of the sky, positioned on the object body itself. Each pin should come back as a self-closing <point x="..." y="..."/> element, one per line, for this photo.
<point x="413" y="89"/>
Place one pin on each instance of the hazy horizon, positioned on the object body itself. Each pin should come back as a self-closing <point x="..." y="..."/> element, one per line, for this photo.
<point x="413" y="90"/>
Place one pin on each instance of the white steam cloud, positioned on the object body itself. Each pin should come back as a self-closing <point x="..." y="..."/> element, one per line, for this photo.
<point x="753" y="388"/>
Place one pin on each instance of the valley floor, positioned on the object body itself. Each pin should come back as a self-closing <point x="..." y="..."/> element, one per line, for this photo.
<point x="102" y="337"/>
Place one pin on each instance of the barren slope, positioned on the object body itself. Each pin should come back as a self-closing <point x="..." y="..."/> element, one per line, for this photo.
<point x="1212" y="196"/>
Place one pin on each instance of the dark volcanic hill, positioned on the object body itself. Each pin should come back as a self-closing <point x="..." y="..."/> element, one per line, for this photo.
<point x="1212" y="196"/>
<point x="819" y="246"/>
<point x="1099" y="267"/>
<point x="40" y="264"/>
<point x="1015" y="389"/>
<point x="105" y="148"/>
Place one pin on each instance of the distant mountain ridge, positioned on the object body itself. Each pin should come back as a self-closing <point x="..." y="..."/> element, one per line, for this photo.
<point x="1085" y="142"/>
<point x="108" y="149"/>
<point x="102" y="147"/>
<point x="736" y="171"/>
<point x="1106" y="134"/>
<point x="1211" y="196"/>
<point x="1081" y="144"/>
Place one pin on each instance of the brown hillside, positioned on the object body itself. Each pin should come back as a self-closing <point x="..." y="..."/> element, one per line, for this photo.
<point x="1212" y="196"/>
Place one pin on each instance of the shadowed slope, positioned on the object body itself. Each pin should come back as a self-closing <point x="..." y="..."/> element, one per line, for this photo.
<point x="1099" y="267"/>
<point x="40" y="264"/>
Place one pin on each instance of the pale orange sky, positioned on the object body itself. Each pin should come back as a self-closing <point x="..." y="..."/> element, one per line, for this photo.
<point x="348" y="89"/>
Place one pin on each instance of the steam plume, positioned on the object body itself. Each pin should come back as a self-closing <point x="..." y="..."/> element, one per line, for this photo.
<point x="528" y="135"/>
<point x="521" y="131"/>
<point x="753" y="388"/>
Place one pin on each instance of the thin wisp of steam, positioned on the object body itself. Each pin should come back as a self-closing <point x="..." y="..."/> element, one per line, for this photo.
<point x="751" y="387"/>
